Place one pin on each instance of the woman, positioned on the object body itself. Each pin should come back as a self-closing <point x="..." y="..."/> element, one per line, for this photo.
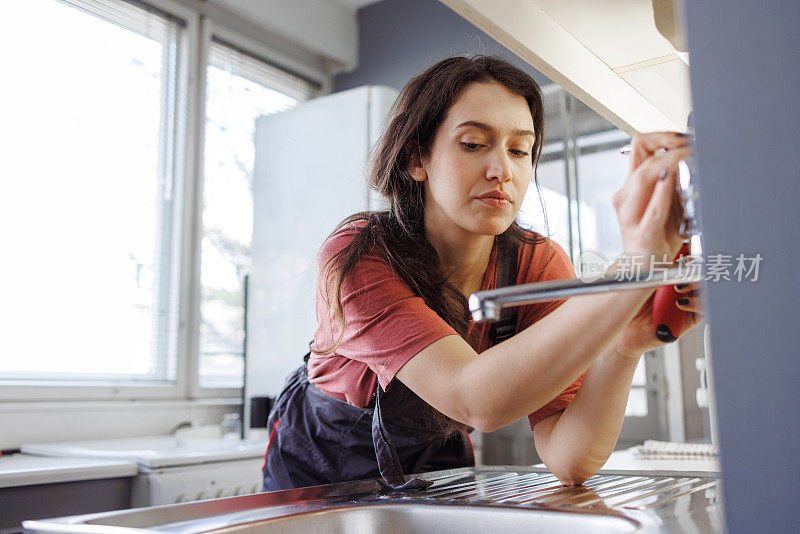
<point x="393" y="380"/>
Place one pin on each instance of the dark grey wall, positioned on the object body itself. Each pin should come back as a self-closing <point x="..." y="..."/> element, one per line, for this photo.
<point x="400" y="38"/>
<point x="745" y="85"/>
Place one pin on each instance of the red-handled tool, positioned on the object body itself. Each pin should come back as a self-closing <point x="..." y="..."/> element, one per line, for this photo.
<point x="668" y="320"/>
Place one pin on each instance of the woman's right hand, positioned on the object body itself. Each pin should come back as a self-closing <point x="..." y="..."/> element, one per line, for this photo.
<point x="648" y="207"/>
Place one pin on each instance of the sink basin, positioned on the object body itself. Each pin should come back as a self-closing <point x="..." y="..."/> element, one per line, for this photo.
<point x="424" y="519"/>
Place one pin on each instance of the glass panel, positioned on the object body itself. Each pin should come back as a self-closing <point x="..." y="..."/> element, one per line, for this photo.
<point x="552" y="179"/>
<point x="640" y="375"/>
<point x="234" y="99"/>
<point x="601" y="172"/>
<point x="637" y="403"/>
<point x="87" y="293"/>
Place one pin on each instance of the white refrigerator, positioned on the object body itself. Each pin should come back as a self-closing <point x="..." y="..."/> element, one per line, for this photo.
<point x="308" y="176"/>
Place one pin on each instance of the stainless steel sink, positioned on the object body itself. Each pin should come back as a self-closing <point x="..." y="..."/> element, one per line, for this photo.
<point x="462" y="501"/>
<point x="425" y="519"/>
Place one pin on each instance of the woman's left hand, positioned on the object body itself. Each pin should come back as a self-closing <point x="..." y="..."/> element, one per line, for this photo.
<point x="639" y="335"/>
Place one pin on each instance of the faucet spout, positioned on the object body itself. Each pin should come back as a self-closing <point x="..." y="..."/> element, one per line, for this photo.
<point x="486" y="305"/>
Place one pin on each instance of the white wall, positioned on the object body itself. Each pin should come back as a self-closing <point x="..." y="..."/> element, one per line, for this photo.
<point x="47" y="422"/>
<point x="323" y="27"/>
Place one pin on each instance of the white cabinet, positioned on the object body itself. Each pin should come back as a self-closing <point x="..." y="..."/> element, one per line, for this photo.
<point x="609" y="54"/>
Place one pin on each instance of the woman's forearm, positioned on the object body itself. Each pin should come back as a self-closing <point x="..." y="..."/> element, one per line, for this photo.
<point x="584" y="436"/>
<point x="538" y="363"/>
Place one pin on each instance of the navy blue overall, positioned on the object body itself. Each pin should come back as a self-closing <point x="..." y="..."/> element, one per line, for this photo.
<point x="318" y="439"/>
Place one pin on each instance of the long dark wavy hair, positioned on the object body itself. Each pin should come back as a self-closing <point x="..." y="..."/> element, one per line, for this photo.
<point x="398" y="235"/>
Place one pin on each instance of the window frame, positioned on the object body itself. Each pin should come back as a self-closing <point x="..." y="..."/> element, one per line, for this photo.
<point x="200" y="24"/>
<point x="208" y="30"/>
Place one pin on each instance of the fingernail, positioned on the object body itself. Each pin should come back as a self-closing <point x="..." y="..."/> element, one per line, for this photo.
<point x="683" y="302"/>
<point x="684" y="135"/>
<point x="680" y="286"/>
<point x="662" y="174"/>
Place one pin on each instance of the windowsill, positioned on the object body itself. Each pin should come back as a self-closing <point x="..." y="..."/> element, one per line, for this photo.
<point x="91" y="405"/>
<point x="51" y="421"/>
<point x="65" y="391"/>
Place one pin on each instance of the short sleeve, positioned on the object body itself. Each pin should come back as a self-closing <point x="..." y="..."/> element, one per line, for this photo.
<point x="559" y="403"/>
<point x="549" y="262"/>
<point x="386" y="323"/>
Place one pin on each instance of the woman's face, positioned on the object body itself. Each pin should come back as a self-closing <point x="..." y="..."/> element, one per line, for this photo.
<point x="480" y="164"/>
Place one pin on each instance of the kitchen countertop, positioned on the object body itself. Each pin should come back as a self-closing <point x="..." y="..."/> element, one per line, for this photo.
<point x="153" y="452"/>
<point x="27" y="470"/>
<point x="626" y="460"/>
<point x="24" y="469"/>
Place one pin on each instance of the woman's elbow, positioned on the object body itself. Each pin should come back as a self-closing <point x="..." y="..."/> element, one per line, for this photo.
<point x="572" y="480"/>
<point x="574" y="476"/>
<point x="569" y="473"/>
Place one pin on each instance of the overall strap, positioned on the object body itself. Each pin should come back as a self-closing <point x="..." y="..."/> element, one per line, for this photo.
<point x="506" y="326"/>
<point x="388" y="461"/>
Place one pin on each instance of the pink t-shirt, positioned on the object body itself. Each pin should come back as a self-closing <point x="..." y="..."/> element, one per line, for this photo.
<point x="387" y="324"/>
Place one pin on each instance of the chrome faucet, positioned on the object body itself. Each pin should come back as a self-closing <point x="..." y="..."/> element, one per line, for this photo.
<point x="486" y="305"/>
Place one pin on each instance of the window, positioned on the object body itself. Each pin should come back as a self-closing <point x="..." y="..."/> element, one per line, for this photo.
<point x="553" y="221"/>
<point x="104" y="241"/>
<point x="239" y="88"/>
<point x="90" y="193"/>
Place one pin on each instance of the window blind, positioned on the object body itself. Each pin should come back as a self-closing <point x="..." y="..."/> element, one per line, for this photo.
<point x="229" y="57"/>
<point x="92" y="290"/>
